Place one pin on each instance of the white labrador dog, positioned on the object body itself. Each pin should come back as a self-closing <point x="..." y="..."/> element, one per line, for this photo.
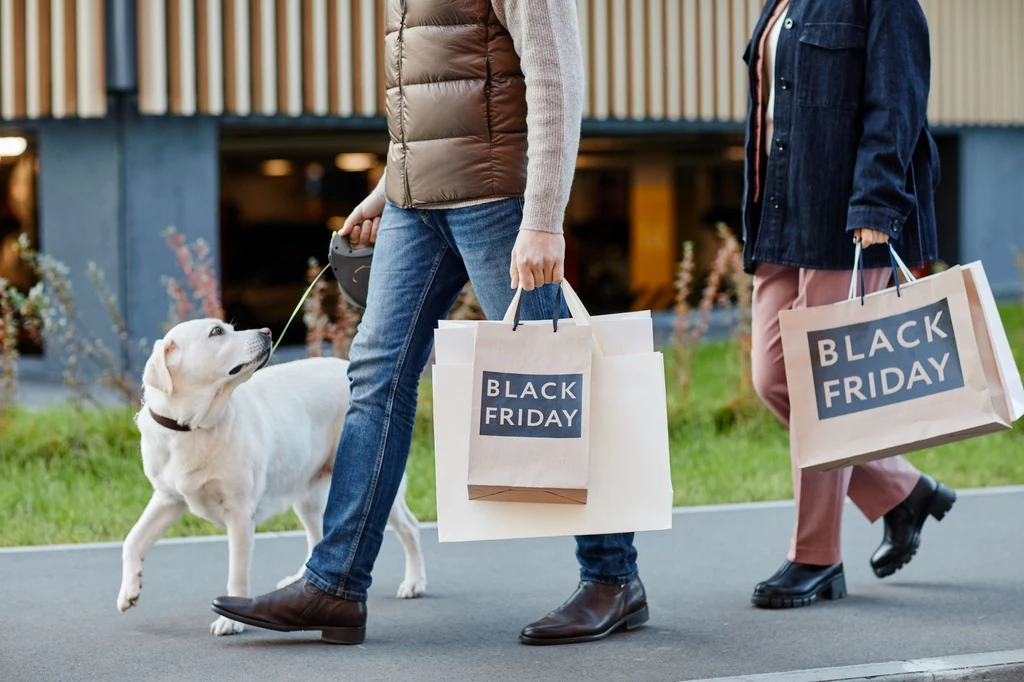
<point x="237" y="446"/>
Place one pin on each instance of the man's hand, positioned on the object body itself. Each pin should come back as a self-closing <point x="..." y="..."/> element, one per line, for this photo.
<point x="538" y="258"/>
<point x="866" y="237"/>
<point x="362" y="224"/>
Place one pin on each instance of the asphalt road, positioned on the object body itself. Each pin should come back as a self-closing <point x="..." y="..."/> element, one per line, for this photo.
<point x="964" y="593"/>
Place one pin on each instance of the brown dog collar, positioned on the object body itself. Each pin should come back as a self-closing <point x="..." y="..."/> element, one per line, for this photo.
<point x="168" y="423"/>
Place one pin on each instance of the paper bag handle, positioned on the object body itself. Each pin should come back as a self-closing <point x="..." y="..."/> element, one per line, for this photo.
<point x="898" y="267"/>
<point x="576" y="309"/>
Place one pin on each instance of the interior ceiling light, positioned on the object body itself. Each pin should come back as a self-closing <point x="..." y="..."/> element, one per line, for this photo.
<point x="355" y="162"/>
<point x="276" y="168"/>
<point x="12" y="146"/>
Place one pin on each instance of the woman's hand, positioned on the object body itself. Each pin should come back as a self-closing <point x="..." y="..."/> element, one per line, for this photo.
<point x="867" y="237"/>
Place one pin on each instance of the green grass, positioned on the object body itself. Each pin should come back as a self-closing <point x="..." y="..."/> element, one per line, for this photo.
<point x="77" y="477"/>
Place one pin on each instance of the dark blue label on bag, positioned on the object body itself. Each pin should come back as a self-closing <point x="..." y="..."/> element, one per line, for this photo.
<point x="883" y="362"/>
<point x="531" y="405"/>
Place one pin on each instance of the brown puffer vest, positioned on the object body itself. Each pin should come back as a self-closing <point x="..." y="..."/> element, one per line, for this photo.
<point x="456" y="104"/>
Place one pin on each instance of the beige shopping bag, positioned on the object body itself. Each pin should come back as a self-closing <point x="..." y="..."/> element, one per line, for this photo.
<point x="890" y="373"/>
<point x="530" y="428"/>
<point x="630" y="484"/>
<point x="996" y="355"/>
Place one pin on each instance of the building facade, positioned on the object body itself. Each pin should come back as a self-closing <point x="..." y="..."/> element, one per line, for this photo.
<point x="258" y="124"/>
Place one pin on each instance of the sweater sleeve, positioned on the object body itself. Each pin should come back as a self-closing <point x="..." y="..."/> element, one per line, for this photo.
<point x="546" y="37"/>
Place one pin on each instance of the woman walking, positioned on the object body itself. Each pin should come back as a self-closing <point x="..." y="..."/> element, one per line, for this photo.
<point x="838" y="150"/>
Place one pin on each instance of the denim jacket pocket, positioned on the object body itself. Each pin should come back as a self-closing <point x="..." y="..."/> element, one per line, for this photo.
<point x="832" y="59"/>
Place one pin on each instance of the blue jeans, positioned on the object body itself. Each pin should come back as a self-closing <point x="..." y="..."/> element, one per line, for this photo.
<point x="421" y="262"/>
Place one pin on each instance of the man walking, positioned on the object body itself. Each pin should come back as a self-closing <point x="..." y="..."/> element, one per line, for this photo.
<point x="484" y="107"/>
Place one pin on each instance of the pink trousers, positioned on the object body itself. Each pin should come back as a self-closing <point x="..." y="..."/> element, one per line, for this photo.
<point x="875" y="488"/>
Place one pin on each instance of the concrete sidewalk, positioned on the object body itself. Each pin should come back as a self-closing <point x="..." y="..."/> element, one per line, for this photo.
<point x="963" y="594"/>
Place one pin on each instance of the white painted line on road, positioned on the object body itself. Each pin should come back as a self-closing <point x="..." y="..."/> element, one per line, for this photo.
<point x="922" y="670"/>
<point x="430" y="525"/>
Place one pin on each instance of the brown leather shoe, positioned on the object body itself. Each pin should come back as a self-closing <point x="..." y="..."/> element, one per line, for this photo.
<point x="593" y="612"/>
<point x="300" y="606"/>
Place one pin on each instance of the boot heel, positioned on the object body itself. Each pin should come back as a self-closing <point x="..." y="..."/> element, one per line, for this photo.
<point x="941" y="502"/>
<point x="635" y="620"/>
<point x="837" y="589"/>
<point x="343" y="635"/>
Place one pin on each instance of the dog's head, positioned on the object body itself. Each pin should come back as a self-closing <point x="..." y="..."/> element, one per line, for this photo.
<point x="197" y="365"/>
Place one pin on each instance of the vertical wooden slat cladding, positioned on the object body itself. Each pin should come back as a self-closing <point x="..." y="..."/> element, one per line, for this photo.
<point x="308" y="65"/>
<point x="583" y="14"/>
<point x="378" y="37"/>
<point x="256" y="52"/>
<point x="356" y="32"/>
<point x="333" y="69"/>
<point x="174" y="54"/>
<point x="18" y="30"/>
<point x="45" y="47"/>
<point x="70" y="59"/>
<point x="202" y="58"/>
<point x="281" y="43"/>
<point x="644" y="59"/>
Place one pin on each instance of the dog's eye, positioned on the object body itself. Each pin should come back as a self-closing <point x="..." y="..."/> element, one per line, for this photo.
<point x="216" y="331"/>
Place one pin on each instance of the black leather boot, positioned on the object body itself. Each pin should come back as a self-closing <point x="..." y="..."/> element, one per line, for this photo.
<point x="593" y="612"/>
<point x="800" y="585"/>
<point x="903" y="525"/>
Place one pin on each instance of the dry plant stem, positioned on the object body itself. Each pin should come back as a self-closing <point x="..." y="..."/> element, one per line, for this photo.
<point x="467" y="306"/>
<point x="196" y="263"/>
<point x="684" y="281"/>
<point x="1020" y="266"/>
<point x="682" y="340"/>
<point x="120" y="381"/>
<point x="742" y="284"/>
<point x="8" y="348"/>
<point x="320" y="328"/>
<point x="709" y="296"/>
<point x="313" y="315"/>
<point x="56" y="306"/>
<point x="345" y="328"/>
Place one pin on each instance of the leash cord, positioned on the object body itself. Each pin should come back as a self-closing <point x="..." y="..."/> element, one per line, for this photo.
<point x="298" y="307"/>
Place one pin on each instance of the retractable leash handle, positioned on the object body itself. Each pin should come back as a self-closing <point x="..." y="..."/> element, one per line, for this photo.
<point x="351" y="268"/>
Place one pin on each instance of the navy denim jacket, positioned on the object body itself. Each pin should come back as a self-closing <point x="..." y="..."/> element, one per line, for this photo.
<point x="851" y="145"/>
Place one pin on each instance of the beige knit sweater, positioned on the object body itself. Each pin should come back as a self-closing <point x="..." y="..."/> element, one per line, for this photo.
<point x="546" y="36"/>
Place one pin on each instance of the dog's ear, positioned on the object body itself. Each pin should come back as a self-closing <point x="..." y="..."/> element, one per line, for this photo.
<point x="157" y="375"/>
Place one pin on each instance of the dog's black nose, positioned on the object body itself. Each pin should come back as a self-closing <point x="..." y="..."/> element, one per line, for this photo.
<point x="265" y="332"/>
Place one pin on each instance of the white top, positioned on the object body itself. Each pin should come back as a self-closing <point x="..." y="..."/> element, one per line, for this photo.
<point x="769" y="79"/>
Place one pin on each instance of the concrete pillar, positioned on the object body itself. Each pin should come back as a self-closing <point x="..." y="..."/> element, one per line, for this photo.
<point x="171" y="177"/>
<point x="80" y="214"/>
<point x="991" y="181"/>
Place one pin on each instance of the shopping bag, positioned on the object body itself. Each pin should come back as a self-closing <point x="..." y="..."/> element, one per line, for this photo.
<point x="890" y="373"/>
<point x="629" y="486"/>
<point x="997" y="357"/>
<point x="530" y="429"/>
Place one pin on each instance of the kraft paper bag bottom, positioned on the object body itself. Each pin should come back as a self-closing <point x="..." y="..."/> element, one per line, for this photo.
<point x="497" y="493"/>
<point x="829" y="465"/>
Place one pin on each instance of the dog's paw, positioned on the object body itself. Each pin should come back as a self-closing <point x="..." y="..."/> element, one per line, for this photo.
<point x="131" y="588"/>
<point x="412" y="587"/>
<point x="285" y="582"/>
<point x="226" y="626"/>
